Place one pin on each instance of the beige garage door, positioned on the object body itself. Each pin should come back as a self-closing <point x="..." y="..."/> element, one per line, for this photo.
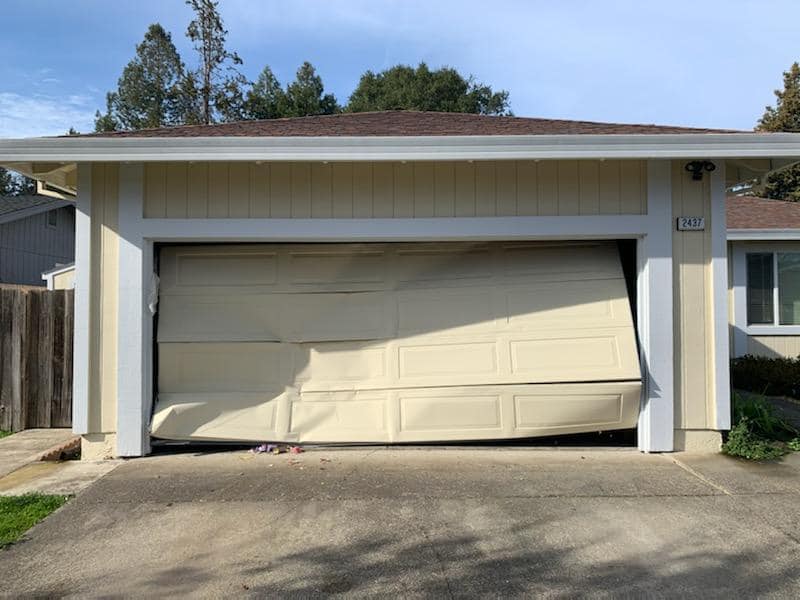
<point x="393" y="342"/>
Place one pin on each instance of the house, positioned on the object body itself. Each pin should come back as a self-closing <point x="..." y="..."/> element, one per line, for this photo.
<point x="764" y="265"/>
<point x="61" y="277"/>
<point x="400" y="277"/>
<point x="36" y="233"/>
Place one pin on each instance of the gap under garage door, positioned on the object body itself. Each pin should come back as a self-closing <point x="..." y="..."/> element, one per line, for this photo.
<point x="393" y="342"/>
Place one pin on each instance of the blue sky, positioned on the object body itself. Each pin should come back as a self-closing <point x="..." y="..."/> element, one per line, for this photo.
<point x="704" y="63"/>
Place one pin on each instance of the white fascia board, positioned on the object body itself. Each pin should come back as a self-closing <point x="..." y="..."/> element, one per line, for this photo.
<point x="58" y="270"/>
<point x="735" y="235"/>
<point x="379" y="148"/>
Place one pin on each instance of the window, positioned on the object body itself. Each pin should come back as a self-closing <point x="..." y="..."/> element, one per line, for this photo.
<point x="52" y="219"/>
<point x="773" y="288"/>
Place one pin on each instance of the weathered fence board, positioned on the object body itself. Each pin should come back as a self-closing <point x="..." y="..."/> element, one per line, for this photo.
<point x="36" y="328"/>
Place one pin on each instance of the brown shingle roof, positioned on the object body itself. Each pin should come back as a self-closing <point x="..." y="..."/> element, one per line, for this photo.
<point x="404" y="123"/>
<point x="748" y="212"/>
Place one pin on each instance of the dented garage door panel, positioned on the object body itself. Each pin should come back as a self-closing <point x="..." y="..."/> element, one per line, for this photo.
<point x="394" y="342"/>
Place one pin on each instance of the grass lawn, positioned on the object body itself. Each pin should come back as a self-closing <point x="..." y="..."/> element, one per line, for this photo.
<point x="20" y="513"/>
<point x="4" y="433"/>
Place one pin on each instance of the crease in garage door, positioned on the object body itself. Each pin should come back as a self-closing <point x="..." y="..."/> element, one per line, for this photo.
<point x="393" y="342"/>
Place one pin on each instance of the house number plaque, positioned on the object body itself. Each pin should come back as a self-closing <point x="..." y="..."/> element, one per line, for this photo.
<point x="691" y="223"/>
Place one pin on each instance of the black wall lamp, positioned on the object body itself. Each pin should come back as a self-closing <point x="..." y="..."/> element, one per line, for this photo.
<point x="698" y="167"/>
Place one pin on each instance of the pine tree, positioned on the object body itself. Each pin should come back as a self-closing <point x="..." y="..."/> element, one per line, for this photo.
<point x="266" y="99"/>
<point x="306" y="95"/>
<point x="219" y="83"/>
<point x="785" y="116"/>
<point x="149" y="92"/>
<point x="14" y="184"/>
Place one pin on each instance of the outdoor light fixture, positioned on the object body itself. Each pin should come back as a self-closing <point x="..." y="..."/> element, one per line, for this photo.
<point x="698" y="167"/>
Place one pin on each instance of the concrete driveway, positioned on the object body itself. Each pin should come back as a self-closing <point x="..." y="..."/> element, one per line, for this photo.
<point x="422" y="523"/>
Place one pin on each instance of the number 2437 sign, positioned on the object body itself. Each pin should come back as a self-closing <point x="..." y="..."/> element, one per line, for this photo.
<point x="691" y="223"/>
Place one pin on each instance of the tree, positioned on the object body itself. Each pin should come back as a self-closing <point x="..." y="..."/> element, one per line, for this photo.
<point x="149" y="92"/>
<point x="306" y="95"/>
<point x="13" y="184"/>
<point x="219" y="82"/>
<point x="266" y="99"/>
<point x="442" y="90"/>
<point x="785" y="116"/>
<point x="7" y="182"/>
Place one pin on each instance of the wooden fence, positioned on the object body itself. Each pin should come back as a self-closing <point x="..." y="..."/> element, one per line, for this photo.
<point x="36" y="329"/>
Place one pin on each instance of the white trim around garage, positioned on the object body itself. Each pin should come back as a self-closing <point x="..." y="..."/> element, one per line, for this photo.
<point x="654" y="306"/>
<point x="81" y="344"/>
<point x="719" y="287"/>
<point x="654" y="250"/>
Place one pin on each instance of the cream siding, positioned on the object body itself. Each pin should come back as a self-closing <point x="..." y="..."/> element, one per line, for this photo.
<point x="693" y="304"/>
<point x="394" y="190"/>
<point x="64" y="281"/>
<point x="774" y="346"/>
<point x="103" y="299"/>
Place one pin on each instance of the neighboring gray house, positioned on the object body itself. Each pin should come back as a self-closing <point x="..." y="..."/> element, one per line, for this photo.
<point x="37" y="233"/>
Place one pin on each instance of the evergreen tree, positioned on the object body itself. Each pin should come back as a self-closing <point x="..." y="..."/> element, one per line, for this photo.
<point x="442" y="90"/>
<point x="149" y="92"/>
<point x="785" y="116"/>
<point x="14" y="184"/>
<point x="218" y="81"/>
<point x="7" y="183"/>
<point x="266" y="99"/>
<point x="306" y="95"/>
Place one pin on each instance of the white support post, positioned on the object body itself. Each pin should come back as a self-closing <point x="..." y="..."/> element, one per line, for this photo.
<point x="83" y="292"/>
<point x="719" y="281"/>
<point x="134" y="387"/>
<point x="655" y="313"/>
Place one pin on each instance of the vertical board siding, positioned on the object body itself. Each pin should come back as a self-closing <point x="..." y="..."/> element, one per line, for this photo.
<point x="36" y="332"/>
<point x="693" y="304"/>
<point x="29" y="246"/>
<point x="774" y="346"/>
<point x="103" y="297"/>
<point x="400" y="190"/>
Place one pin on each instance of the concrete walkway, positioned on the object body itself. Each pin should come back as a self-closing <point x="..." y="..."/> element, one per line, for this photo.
<point x="22" y="470"/>
<point x="422" y="523"/>
<point x="27" y="446"/>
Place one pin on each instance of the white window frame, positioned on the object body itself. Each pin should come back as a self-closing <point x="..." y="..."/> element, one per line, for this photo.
<point x="742" y="329"/>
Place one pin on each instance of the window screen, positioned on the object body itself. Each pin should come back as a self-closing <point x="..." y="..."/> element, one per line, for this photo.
<point x="760" y="283"/>
<point x="789" y="288"/>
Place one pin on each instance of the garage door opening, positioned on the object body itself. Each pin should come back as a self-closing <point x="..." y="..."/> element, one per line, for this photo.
<point x="395" y="342"/>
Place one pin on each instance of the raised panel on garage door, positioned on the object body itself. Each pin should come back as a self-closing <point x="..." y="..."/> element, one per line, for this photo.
<point x="393" y="342"/>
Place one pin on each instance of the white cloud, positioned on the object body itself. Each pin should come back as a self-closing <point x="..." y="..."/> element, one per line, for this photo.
<point x="40" y="115"/>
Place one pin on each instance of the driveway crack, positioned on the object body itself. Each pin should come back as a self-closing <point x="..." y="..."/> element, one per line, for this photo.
<point x="699" y="476"/>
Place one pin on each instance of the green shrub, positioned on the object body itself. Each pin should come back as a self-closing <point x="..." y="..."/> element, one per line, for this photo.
<point x="742" y="442"/>
<point x="761" y="417"/>
<point x="770" y="376"/>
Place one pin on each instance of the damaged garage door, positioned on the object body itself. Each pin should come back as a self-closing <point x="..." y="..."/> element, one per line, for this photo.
<point x="393" y="342"/>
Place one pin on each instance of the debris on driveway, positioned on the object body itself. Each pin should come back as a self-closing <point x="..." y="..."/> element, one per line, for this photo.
<point x="276" y="449"/>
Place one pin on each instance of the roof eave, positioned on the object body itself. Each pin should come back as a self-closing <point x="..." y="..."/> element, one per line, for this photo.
<point x="419" y="148"/>
<point x="758" y="235"/>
